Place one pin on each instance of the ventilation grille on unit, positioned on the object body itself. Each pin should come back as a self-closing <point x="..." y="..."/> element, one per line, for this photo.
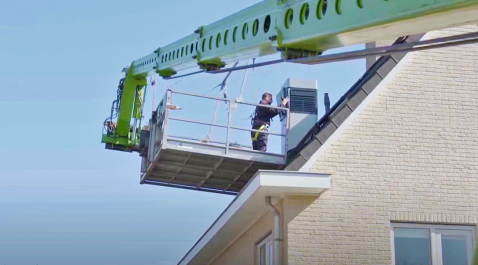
<point x="303" y="101"/>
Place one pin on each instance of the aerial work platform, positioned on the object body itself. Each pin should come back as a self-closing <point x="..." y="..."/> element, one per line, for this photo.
<point x="300" y="31"/>
<point x="191" y="163"/>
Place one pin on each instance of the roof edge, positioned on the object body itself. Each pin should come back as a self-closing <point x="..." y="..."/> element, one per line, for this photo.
<point x="241" y="213"/>
<point x="382" y="70"/>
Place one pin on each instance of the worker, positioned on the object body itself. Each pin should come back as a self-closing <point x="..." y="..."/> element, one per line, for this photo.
<point x="110" y="127"/>
<point x="261" y="121"/>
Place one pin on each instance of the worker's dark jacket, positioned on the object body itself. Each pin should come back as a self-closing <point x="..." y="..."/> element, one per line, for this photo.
<point x="261" y="121"/>
<point x="264" y="115"/>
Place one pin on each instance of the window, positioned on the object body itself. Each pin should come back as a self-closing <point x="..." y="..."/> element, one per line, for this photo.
<point x="264" y="251"/>
<point x="432" y="244"/>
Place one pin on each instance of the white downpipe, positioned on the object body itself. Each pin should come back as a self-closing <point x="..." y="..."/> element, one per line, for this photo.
<point x="277" y="233"/>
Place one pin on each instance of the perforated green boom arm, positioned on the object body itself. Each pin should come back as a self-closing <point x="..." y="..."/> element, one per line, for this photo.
<point x="296" y="28"/>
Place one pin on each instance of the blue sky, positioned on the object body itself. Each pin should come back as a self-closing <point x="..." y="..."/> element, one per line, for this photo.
<point x="64" y="199"/>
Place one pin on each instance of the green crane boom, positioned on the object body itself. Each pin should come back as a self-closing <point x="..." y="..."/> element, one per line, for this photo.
<point x="296" y="28"/>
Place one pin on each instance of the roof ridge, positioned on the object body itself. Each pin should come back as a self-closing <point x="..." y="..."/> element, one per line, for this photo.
<point x="342" y="109"/>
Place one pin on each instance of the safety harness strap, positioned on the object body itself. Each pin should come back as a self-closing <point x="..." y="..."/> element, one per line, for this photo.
<point x="256" y="135"/>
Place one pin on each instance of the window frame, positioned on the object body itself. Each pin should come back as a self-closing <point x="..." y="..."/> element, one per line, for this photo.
<point x="435" y="233"/>
<point x="268" y="243"/>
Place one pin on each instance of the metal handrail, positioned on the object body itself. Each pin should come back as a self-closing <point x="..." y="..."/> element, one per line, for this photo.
<point x="252" y="130"/>
<point x="261" y="105"/>
<point x="167" y="100"/>
<point x="198" y="122"/>
<point x="213" y="142"/>
<point x="225" y="126"/>
<point x="198" y="96"/>
<point x="228" y="99"/>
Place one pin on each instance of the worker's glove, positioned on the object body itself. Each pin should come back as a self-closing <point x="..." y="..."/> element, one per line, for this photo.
<point x="285" y="101"/>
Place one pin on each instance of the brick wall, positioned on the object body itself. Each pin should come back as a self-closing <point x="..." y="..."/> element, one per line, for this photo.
<point x="243" y="250"/>
<point x="411" y="155"/>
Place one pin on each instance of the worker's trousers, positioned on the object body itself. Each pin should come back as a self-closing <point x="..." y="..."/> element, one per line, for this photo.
<point x="259" y="140"/>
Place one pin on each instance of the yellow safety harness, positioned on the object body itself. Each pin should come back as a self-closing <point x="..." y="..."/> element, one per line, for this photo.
<point x="257" y="133"/>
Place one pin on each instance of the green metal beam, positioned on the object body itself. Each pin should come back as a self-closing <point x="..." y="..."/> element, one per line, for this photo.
<point x="131" y="84"/>
<point x="310" y="25"/>
<point x="130" y="107"/>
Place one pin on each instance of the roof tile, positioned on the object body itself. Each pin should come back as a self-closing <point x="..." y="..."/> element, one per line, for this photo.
<point x="296" y="164"/>
<point x="372" y="83"/>
<point x="326" y="131"/>
<point x="386" y="68"/>
<point x="355" y="101"/>
<point x="341" y="115"/>
<point x="310" y="149"/>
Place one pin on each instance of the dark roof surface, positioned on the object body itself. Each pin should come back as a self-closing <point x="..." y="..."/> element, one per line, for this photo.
<point x="348" y="103"/>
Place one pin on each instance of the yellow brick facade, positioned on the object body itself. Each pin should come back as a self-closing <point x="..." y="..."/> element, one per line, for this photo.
<point x="411" y="155"/>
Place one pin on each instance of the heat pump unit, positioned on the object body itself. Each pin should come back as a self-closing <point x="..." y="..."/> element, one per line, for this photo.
<point x="303" y="107"/>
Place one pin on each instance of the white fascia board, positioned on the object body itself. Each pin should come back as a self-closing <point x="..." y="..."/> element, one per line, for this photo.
<point x="249" y="206"/>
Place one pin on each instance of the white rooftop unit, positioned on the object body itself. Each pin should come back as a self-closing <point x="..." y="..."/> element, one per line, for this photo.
<point x="303" y="107"/>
